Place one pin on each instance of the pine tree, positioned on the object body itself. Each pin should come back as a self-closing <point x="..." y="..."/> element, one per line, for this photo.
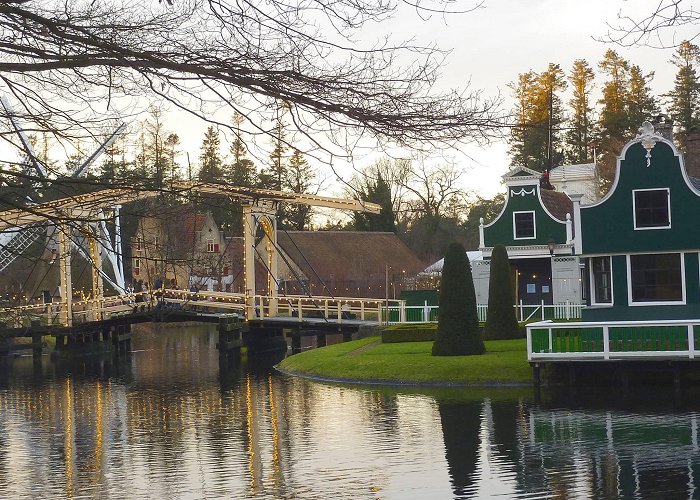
<point x="684" y="99"/>
<point x="458" y="324"/>
<point x="377" y="192"/>
<point x="613" y="120"/>
<point x="522" y="147"/>
<point x="581" y="125"/>
<point x="500" y="318"/>
<point x="273" y="176"/>
<point x="241" y="172"/>
<point x="641" y="105"/>
<point x="298" y="178"/>
<point x="171" y="144"/>
<point x="536" y="137"/>
<point x="210" y="161"/>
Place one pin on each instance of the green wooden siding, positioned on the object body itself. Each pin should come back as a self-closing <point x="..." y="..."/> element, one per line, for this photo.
<point x="609" y="227"/>
<point x="621" y="311"/>
<point x="546" y="227"/>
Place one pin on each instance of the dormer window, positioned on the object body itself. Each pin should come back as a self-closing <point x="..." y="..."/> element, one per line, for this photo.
<point x="652" y="208"/>
<point x="524" y="225"/>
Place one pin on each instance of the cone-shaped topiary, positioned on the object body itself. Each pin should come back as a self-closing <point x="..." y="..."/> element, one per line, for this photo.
<point x="500" y="318"/>
<point x="458" y="324"/>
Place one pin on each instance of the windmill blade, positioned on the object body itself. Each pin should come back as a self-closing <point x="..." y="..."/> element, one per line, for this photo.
<point x="94" y="156"/>
<point x="26" y="145"/>
<point x="18" y="243"/>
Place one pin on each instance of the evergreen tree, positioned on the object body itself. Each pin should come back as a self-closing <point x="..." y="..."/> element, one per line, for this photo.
<point x="580" y="131"/>
<point x="536" y="136"/>
<point x="522" y="147"/>
<point x="241" y="173"/>
<point x="210" y="161"/>
<point x="377" y="192"/>
<point x="458" y="324"/>
<point x="500" y="318"/>
<point x="641" y="105"/>
<point x="171" y="143"/>
<point x="684" y="99"/>
<point x="273" y="176"/>
<point x="298" y="178"/>
<point x="613" y="120"/>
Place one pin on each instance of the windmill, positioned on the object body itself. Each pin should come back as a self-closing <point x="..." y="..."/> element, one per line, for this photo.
<point x="16" y="241"/>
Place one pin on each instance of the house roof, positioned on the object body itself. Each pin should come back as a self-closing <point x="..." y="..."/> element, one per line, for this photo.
<point x="570" y="172"/>
<point x="436" y="267"/>
<point x="521" y="172"/>
<point x="557" y="203"/>
<point x="348" y="255"/>
<point x="187" y="224"/>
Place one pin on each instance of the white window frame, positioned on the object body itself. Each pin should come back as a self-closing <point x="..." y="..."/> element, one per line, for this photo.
<point x="634" y="209"/>
<point x="591" y="282"/>
<point x="681" y="302"/>
<point x="210" y="245"/>
<point x="534" y="225"/>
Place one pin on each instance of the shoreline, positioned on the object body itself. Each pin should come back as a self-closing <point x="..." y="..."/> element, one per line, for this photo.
<point x="395" y="383"/>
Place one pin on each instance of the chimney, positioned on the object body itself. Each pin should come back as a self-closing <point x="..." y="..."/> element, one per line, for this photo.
<point x="692" y="154"/>
<point x="663" y="126"/>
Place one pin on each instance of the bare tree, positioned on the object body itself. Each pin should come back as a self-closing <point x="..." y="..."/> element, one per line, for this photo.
<point x="434" y="188"/>
<point x="75" y="63"/>
<point x="652" y="28"/>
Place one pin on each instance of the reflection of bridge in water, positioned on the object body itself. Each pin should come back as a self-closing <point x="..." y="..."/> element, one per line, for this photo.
<point x="245" y="318"/>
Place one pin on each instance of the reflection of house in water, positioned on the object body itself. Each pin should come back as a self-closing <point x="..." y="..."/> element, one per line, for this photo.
<point x="619" y="454"/>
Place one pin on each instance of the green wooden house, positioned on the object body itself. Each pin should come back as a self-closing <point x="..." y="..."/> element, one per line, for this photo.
<point x="536" y="227"/>
<point x="641" y="242"/>
<point x="640" y="246"/>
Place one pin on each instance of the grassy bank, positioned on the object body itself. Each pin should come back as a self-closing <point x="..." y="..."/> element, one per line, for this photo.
<point x="368" y="360"/>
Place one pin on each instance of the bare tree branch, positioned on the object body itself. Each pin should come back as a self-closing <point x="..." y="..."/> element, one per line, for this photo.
<point x="65" y="60"/>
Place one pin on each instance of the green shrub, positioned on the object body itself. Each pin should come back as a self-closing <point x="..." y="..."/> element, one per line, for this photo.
<point x="500" y="318"/>
<point x="418" y="332"/>
<point x="458" y="322"/>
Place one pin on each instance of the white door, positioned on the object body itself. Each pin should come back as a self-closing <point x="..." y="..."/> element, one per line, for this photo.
<point x="566" y="283"/>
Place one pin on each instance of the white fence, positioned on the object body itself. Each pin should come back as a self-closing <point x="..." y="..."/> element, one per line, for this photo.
<point x="523" y="312"/>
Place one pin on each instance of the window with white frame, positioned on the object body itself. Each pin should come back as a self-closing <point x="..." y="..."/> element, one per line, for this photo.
<point x="652" y="208"/>
<point x="523" y="225"/>
<point x="601" y="280"/>
<point x="656" y="277"/>
<point x="210" y="246"/>
<point x="137" y="267"/>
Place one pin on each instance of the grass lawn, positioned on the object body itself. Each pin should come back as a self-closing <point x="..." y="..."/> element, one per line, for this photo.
<point x="505" y="362"/>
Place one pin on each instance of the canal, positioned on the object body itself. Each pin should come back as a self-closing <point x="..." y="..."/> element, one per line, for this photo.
<point x="169" y="422"/>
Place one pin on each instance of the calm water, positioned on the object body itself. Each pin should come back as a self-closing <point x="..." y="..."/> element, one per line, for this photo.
<point x="167" y="422"/>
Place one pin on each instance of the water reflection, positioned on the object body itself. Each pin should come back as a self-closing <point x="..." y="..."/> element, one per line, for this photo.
<point x="173" y="420"/>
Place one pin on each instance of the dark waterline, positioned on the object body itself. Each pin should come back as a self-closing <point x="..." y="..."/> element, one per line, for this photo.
<point x="169" y="421"/>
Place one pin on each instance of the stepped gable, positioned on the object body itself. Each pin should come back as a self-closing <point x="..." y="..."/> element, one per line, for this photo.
<point x="557" y="203"/>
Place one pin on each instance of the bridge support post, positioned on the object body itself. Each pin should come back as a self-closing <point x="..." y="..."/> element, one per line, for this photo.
<point x="64" y="253"/>
<point x="230" y="338"/>
<point x="260" y="214"/>
<point x="97" y="284"/>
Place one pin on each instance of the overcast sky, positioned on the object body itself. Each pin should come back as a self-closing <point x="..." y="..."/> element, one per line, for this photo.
<point x="508" y="37"/>
<point x="489" y="48"/>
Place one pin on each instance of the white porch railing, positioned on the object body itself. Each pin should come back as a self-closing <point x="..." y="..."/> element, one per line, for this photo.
<point x="613" y="340"/>
<point x="523" y="312"/>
